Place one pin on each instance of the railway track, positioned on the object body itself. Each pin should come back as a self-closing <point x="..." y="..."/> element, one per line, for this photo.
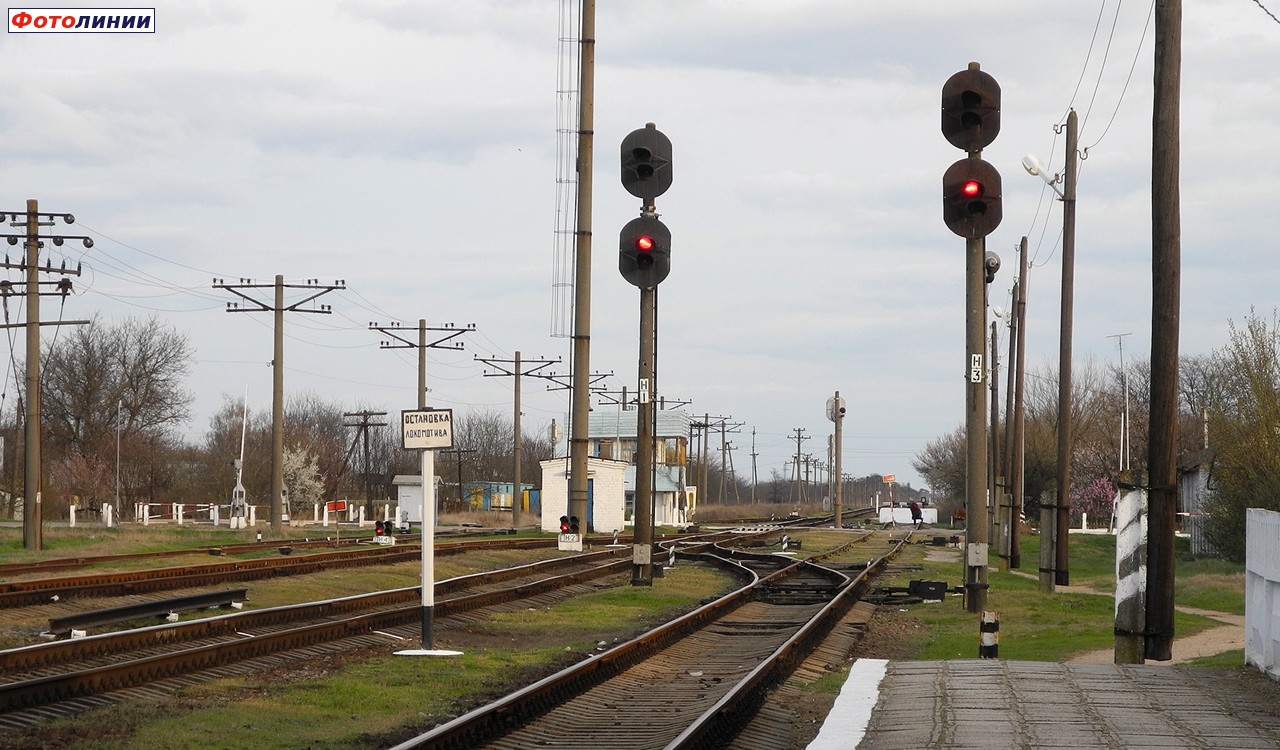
<point x="352" y="541"/>
<point x="64" y="677"/>
<point x="226" y="570"/>
<point x="693" y="683"/>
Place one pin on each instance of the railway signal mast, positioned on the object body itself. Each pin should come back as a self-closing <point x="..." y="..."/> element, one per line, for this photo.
<point x="644" y="260"/>
<point x="971" y="208"/>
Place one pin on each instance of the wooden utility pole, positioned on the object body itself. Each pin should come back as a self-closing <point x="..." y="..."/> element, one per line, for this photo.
<point x="278" y="308"/>
<point x="1166" y="269"/>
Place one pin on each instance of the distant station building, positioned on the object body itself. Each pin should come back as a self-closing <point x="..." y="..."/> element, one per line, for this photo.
<point x="611" y="446"/>
<point x="605" y="494"/>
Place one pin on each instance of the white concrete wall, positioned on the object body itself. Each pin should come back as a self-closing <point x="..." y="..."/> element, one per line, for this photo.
<point x="903" y="515"/>
<point x="1262" y="591"/>
<point x="608" y="494"/>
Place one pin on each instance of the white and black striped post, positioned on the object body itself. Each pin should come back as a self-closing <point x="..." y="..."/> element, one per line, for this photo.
<point x="1131" y="577"/>
<point x="989" y="638"/>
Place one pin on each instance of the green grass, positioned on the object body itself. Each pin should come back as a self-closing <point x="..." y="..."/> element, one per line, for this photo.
<point x="346" y="709"/>
<point x="365" y="703"/>
<point x="1048" y="627"/>
<point x="1226" y="660"/>
<point x="1205" y="583"/>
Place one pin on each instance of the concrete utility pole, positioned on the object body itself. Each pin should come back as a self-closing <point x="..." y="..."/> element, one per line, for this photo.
<point x="581" y="403"/>
<point x="995" y="479"/>
<point x="726" y="460"/>
<point x="443" y="338"/>
<point x="797" y="491"/>
<point x="31" y="220"/>
<point x="1016" y="444"/>
<point x="277" y="363"/>
<point x="517" y="371"/>
<point x="362" y="434"/>
<point x="704" y="434"/>
<point x="1166" y="274"/>
<point x="1061" y="574"/>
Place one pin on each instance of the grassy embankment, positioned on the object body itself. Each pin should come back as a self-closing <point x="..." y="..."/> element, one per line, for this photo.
<point x="1043" y="627"/>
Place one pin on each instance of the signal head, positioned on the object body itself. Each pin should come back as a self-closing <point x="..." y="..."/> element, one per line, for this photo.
<point x="646" y="162"/>
<point x="971" y="109"/>
<point x="971" y="204"/>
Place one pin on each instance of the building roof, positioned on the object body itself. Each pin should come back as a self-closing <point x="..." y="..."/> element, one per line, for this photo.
<point x="622" y="424"/>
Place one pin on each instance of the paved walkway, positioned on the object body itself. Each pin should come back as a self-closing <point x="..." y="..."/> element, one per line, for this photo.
<point x="994" y="704"/>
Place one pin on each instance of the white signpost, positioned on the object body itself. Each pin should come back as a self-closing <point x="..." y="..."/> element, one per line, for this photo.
<point x="427" y="430"/>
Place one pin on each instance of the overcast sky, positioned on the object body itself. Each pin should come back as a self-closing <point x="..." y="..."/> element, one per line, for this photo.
<point x="409" y="148"/>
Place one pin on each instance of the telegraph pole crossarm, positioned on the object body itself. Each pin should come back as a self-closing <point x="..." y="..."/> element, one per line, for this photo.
<point x="396" y="332"/>
<point x="564" y="382"/>
<point x="257" y="305"/>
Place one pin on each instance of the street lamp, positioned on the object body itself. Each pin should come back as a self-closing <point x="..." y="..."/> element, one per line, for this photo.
<point x="1036" y="168"/>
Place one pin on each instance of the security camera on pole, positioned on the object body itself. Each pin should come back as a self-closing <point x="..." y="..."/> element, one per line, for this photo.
<point x="644" y="260"/>
<point x="971" y="207"/>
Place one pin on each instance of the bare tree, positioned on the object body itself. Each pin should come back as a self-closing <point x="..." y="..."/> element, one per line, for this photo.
<point x="942" y="463"/>
<point x="105" y="384"/>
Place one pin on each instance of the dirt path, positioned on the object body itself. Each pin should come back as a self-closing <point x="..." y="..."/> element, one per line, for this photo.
<point x="1226" y="637"/>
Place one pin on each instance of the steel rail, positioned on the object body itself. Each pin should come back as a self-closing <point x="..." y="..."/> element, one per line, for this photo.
<point x="522" y="706"/>
<point x="79" y="683"/>
<point x="734" y="709"/>
<point x="42" y="655"/>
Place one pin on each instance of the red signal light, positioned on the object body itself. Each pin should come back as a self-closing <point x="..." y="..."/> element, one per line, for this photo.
<point x="971" y="189"/>
<point x="644" y="243"/>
